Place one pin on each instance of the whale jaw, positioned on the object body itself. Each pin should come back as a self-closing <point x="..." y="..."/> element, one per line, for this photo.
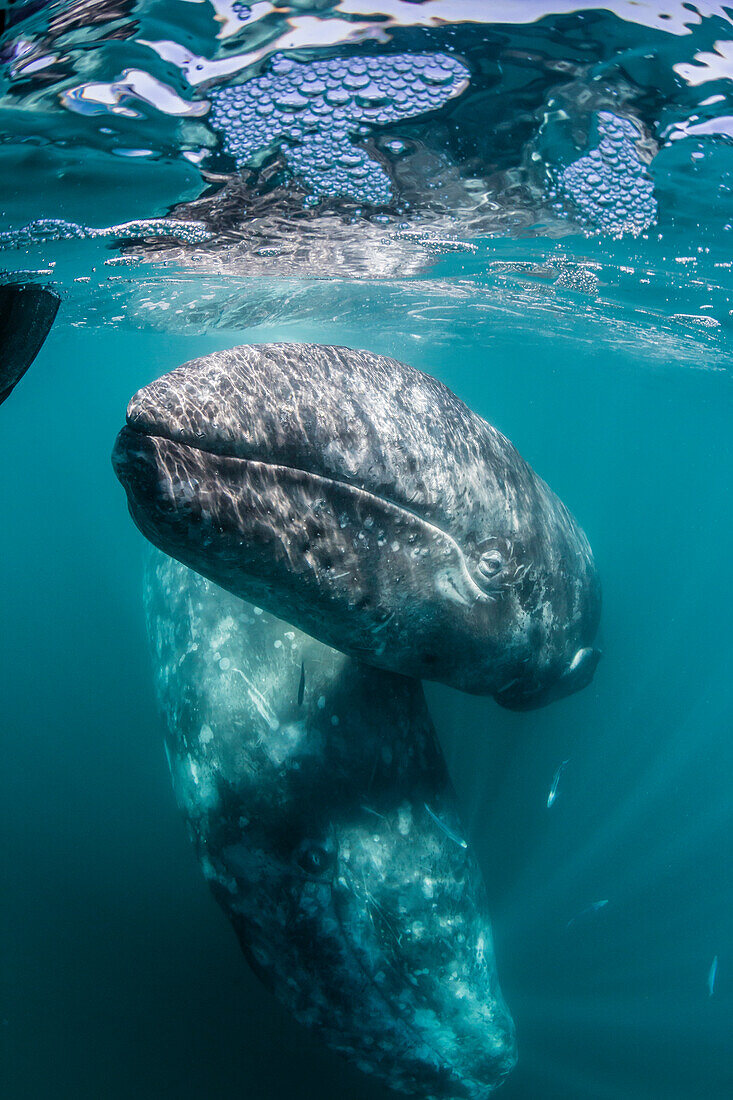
<point x="577" y="676"/>
<point x="338" y="562"/>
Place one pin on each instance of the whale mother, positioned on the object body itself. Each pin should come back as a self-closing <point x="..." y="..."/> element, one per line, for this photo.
<point x="360" y="500"/>
<point x="319" y="803"/>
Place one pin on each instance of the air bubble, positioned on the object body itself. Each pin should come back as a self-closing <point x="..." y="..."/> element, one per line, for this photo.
<point x="314" y="105"/>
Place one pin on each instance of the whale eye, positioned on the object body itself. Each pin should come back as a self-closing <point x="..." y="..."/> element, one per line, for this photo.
<point x="491" y="563"/>
<point x="314" y="858"/>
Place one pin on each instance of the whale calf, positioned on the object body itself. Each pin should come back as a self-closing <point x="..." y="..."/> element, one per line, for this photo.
<point x="319" y="803"/>
<point x="27" y="312"/>
<point x="362" y="501"/>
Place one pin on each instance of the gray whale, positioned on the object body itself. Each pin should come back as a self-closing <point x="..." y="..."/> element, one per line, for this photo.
<point x="318" y="801"/>
<point x="362" y="501"/>
<point x="27" y="312"/>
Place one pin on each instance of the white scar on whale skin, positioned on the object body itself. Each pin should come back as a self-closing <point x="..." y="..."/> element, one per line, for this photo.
<point x="259" y="701"/>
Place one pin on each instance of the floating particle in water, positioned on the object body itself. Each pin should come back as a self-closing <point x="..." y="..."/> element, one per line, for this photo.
<point x="610" y="186"/>
<point x="314" y="111"/>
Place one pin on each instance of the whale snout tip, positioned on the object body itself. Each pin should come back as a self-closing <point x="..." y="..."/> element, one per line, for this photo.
<point x="129" y="455"/>
<point x="121" y="453"/>
<point x="147" y="410"/>
<point x="135" y="462"/>
<point x="576" y="676"/>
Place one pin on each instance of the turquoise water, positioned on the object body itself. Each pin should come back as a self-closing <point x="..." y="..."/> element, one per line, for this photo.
<point x="606" y="359"/>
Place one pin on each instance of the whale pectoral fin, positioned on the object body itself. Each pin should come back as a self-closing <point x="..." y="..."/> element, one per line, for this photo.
<point x="27" y="312"/>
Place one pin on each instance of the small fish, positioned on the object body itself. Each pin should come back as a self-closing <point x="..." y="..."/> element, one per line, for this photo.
<point x="553" y="789"/>
<point x="448" y="832"/>
<point x="301" y="685"/>
<point x="711" y="976"/>
<point x="588" y="911"/>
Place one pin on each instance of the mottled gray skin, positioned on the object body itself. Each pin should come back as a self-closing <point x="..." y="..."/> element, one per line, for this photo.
<point x="27" y="312"/>
<point x="305" y="778"/>
<point x="362" y="501"/>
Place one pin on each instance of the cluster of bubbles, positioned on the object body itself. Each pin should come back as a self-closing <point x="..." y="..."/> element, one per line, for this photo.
<point x="579" y="278"/>
<point x="313" y="111"/>
<point x="610" y="186"/>
<point x="57" y="229"/>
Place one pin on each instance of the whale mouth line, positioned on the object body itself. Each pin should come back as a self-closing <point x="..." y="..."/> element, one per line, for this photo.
<point x="153" y="432"/>
<point x="255" y="460"/>
<point x="385" y="502"/>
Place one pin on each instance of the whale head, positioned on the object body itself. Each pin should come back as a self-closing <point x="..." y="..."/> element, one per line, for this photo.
<point x="360" y="500"/>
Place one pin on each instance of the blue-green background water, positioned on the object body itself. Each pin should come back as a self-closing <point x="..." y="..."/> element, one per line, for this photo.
<point x="605" y="357"/>
<point x="120" y="975"/>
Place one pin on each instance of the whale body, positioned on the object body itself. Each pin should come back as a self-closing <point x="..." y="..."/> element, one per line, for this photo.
<point x="362" y="501"/>
<point x="27" y="312"/>
<point x="323" y="817"/>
